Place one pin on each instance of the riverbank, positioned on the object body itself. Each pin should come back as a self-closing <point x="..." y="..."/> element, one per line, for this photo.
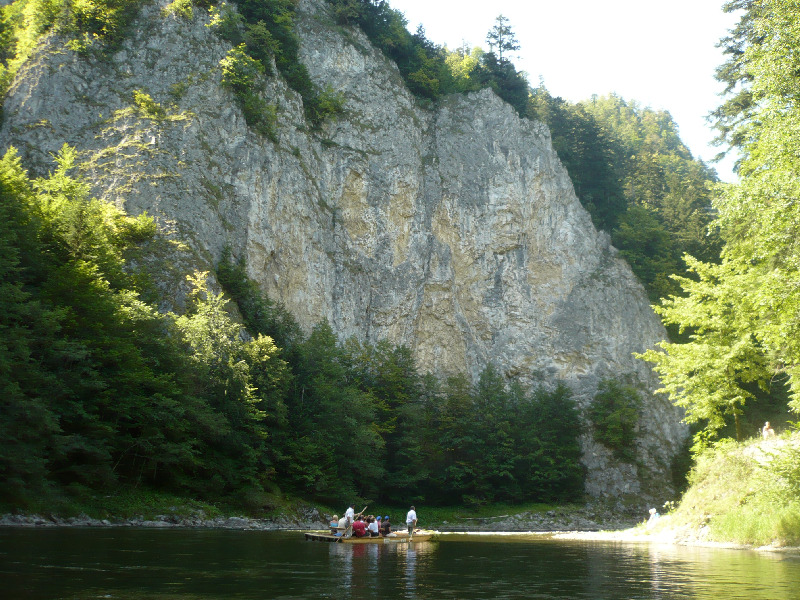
<point x="666" y="535"/>
<point x="581" y="524"/>
<point x="308" y="519"/>
<point x="164" y="512"/>
<point x="586" y="518"/>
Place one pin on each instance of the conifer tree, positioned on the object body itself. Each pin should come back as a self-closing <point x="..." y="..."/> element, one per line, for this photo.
<point x="502" y="37"/>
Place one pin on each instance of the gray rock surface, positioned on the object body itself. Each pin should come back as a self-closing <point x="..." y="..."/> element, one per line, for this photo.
<point x="452" y="228"/>
<point x="302" y="520"/>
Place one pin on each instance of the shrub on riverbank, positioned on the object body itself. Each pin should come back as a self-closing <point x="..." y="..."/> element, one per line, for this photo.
<point x="745" y="493"/>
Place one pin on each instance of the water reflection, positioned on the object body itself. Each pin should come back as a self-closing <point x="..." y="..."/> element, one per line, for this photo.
<point x="703" y="573"/>
<point x="342" y="563"/>
<point x="411" y="572"/>
<point x="139" y="564"/>
<point x="369" y="570"/>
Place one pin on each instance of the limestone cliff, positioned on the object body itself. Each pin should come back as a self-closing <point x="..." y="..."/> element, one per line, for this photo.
<point x="452" y="229"/>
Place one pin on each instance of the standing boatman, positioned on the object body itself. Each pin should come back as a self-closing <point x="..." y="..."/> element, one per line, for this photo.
<point x="411" y="521"/>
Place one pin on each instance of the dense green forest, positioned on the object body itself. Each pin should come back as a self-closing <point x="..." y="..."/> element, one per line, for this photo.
<point x="742" y="313"/>
<point x="101" y="390"/>
<point x="637" y="180"/>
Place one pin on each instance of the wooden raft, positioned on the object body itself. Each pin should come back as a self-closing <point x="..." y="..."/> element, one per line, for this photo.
<point x="400" y="538"/>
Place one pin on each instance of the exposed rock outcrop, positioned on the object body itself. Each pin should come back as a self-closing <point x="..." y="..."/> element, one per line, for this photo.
<point x="452" y="229"/>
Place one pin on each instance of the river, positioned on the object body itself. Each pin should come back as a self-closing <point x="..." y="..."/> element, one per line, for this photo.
<point x="182" y="564"/>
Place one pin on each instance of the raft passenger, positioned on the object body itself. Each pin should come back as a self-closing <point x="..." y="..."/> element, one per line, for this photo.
<point x="386" y="526"/>
<point x="373" y="526"/>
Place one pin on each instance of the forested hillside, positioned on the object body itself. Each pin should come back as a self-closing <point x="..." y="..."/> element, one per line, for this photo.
<point x="740" y="364"/>
<point x="101" y="391"/>
<point x="637" y="179"/>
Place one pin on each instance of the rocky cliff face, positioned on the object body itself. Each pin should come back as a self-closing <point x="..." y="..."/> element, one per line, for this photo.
<point x="452" y="229"/>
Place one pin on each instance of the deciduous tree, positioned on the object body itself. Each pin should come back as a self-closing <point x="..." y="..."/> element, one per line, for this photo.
<point x="744" y="314"/>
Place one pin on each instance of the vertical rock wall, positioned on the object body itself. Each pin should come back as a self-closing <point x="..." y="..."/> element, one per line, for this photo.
<point x="453" y="229"/>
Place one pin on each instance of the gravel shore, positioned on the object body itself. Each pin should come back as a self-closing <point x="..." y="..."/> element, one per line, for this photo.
<point x="305" y="519"/>
<point x="587" y="524"/>
<point x="584" y="519"/>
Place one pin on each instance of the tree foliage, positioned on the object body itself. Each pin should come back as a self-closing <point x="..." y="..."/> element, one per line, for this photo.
<point x="637" y="180"/>
<point x="614" y="414"/>
<point x="239" y="74"/>
<point x="502" y="37"/>
<point x="743" y="314"/>
<point x="431" y="71"/>
<point x="493" y="442"/>
<point x="100" y="390"/>
<point x="81" y="362"/>
<point x="86" y="23"/>
<point x="262" y="31"/>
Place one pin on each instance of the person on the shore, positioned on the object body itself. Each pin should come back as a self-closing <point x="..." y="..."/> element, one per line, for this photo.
<point x="654" y="516"/>
<point x="767" y="431"/>
<point x="411" y="520"/>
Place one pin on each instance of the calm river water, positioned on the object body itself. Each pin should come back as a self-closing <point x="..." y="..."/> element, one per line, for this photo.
<point x="204" y="564"/>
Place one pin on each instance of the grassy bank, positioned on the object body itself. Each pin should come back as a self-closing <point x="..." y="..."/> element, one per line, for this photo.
<point x="124" y="504"/>
<point x="743" y="493"/>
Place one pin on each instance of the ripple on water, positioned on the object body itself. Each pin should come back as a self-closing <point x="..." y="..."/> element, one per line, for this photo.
<point x="135" y="564"/>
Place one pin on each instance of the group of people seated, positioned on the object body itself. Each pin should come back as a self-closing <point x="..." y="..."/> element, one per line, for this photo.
<point x="362" y="526"/>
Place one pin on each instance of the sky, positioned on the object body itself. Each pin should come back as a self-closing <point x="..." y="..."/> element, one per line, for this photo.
<point x="661" y="54"/>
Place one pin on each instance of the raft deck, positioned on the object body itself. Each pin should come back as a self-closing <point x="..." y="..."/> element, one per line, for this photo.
<point x="400" y="538"/>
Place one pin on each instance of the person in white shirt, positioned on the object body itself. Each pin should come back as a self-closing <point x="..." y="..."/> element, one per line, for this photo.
<point x="373" y="526"/>
<point x="411" y="520"/>
<point x="349" y="516"/>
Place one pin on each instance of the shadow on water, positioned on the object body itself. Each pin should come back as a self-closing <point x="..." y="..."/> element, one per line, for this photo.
<point x="209" y="564"/>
